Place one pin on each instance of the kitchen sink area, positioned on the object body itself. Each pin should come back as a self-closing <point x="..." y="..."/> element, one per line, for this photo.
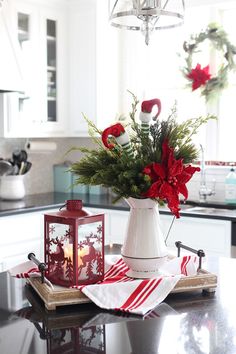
<point x="205" y="209"/>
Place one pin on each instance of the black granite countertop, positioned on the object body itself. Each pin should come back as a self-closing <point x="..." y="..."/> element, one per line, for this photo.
<point x="187" y="323"/>
<point x="38" y="202"/>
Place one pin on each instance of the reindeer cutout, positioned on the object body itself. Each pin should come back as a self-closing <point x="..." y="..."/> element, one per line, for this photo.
<point x="88" y="334"/>
<point x="88" y="258"/>
<point x="58" y="260"/>
<point x="57" y="256"/>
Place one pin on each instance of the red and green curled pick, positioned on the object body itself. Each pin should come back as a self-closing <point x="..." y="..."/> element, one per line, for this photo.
<point x="146" y="113"/>
<point x="121" y="136"/>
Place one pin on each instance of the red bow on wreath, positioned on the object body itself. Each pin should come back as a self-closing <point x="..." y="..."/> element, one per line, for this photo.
<point x="199" y="76"/>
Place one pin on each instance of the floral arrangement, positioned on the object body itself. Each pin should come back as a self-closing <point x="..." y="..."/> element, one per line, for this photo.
<point x="143" y="160"/>
<point x="202" y="78"/>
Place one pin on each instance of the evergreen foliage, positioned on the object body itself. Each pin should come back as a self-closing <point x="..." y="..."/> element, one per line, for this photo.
<point x="121" y="172"/>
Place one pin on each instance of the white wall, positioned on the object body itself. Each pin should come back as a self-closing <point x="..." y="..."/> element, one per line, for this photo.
<point x="224" y="3"/>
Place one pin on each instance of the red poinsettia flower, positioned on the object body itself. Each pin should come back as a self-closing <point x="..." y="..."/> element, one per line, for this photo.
<point x="169" y="178"/>
<point x="199" y="76"/>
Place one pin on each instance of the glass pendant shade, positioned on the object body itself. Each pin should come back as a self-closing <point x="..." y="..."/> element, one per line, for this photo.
<point x="146" y="15"/>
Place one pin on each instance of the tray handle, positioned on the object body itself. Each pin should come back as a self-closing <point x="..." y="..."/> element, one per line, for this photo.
<point x="41" y="265"/>
<point x="200" y="252"/>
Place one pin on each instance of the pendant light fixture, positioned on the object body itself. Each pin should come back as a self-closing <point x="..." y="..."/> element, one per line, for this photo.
<point x="146" y="15"/>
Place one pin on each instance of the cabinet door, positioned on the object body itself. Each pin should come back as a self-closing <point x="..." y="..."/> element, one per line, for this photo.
<point x="20" y="235"/>
<point x="53" y="48"/>
<point x="211" y="235"/>
<point x="22" y="110"/>
<point x="115" y="224"/>
<point x="41" y="110"/>
<point x="118" y="225"/>
<point x="10" y="65"/>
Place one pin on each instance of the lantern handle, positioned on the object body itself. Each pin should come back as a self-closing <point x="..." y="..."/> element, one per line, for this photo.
<point x="41" y="265"/>
<point x="63" y="206"/>
<point x="43" y="333"/>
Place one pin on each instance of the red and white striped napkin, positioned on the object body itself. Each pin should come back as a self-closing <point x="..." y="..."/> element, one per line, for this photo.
<point x="137" y="296"/>
<point x="25" y="270"/>
<point x="121" y="293"/>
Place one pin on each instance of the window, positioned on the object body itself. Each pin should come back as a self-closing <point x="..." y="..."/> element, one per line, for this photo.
<point x="154" y="71"/>
<point x="227" y="109"/>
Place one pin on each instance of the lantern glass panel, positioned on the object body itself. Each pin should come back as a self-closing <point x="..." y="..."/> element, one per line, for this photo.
<point x="60" y="251"/>
<point x="92" y="339"/>
<point x="90" y="251"/>
<point x="60" y="338"/>
<point x="77" y="340"/>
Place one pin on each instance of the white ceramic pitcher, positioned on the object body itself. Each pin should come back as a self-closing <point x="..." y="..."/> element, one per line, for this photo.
<point x="144" y="249"/>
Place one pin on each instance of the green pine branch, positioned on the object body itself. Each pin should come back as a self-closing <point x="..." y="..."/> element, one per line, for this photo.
<point x="117" y="170"/>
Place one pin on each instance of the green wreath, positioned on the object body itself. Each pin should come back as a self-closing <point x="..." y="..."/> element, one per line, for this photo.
<point x="199" y="77"/>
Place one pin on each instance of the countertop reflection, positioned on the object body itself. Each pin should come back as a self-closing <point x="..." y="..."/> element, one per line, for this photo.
<point x="187" y="323"/>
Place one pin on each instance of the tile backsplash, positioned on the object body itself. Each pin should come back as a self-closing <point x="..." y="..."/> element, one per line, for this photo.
<point x="40" y="177"/>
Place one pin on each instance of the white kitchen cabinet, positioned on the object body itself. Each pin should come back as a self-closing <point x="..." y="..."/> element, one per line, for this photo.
<point x="211" y="235"/>
<point x="17" y="336"/>
<point x="23" y="233"/>
<point x="67" y="71"/>
<point x="20" y="235"/>
<point x="115" y="224"/>
<point x="42" y="110"/>
<point x="93" y="57"/>
<point x="10" y="59"/>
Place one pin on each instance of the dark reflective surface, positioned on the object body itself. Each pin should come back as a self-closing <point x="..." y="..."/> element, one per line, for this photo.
<point x="185" y="323"/>
<point x="56" y="200"/>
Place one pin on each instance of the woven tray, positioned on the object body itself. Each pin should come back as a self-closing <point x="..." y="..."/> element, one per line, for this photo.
<point x="60" y="296"/>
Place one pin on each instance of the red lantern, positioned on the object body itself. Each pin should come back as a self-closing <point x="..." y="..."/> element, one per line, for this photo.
<point x="74" y="246"/>
<point x="77" y="340"/>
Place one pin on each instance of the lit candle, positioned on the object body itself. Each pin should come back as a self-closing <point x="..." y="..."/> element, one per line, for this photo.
<point x="68" y="251"/>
